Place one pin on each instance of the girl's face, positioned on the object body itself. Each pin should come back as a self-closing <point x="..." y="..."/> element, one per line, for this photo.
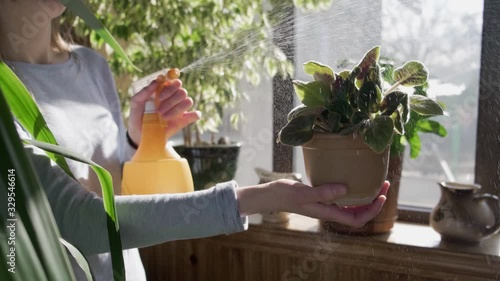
<point x="33" y="10"/>
<point x="53" y="7"/>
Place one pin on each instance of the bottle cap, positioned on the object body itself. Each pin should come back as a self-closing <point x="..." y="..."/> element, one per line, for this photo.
<point x="150" y="106"/>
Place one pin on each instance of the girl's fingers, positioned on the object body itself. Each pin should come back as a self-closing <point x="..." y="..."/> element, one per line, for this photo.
<point x="171" y="102"/>
<point x="385" y="188"/>
<point x="169" y="89"/>
<point x="140" y="98"/>
<point x="360" y="217"/>
<point x="137" y="104"/>
<point x="323" y="193"/>
<point x="383" y="191"/>
<point x="177" y="124"/>
<point x="356" y="218"/>
<point x="179" y="109"/>
<point x="184" y="120"/>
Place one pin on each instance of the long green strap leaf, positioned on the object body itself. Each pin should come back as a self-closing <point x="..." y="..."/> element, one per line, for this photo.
<point x="77" y="7"/>
<point x="27" y="113"/>
<point x="106" y="181"/>
<point x="36" y="231"/>
<point x="79" y="258"/>
<point x="27" y="262"/>
<point x="24" y="108"/>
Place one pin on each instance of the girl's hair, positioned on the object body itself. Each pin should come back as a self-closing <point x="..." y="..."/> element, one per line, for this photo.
<point x="57" y="40"/>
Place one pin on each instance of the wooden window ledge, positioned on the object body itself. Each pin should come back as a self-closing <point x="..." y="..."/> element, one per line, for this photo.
<point x="403" y="234"/>
<point x="301" y="250"/>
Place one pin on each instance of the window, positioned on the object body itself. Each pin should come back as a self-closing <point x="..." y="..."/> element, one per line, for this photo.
<point x="446" y="36"/>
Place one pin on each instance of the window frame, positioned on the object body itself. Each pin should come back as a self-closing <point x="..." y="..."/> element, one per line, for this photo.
<point x="487" y="163"/>
<point x="487" y="171"/>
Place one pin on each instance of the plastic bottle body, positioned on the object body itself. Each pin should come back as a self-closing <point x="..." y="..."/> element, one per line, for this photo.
<point x="156" y="168"/>
<point x="157" y="177"/>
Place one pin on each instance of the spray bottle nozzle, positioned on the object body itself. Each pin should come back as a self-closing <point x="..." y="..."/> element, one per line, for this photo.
<point x="172" y="73"/>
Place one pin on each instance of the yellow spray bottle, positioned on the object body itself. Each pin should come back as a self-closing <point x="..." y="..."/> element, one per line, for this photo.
<point x="156" y="168"/>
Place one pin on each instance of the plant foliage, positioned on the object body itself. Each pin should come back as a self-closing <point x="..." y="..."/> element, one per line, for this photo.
<point x="218" y="43"/>
<point x="30" y="247"/>
<point x="356" y="102"/>
<point x="25" y="110"/>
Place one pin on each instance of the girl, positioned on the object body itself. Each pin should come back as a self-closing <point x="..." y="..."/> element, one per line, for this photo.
<point x="75" y="92"/>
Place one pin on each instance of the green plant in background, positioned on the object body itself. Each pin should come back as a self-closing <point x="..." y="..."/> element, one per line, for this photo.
<point x="356" y="101"/>
<point x="220" y="43"/>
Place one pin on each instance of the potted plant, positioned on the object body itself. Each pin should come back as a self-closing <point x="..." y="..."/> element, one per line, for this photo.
<point x="418" y="123"/>
<point x="347" y="120"/>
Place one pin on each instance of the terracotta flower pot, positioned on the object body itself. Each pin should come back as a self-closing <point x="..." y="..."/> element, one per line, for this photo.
<point x="333" y="158"/>
<point x="384" y="221"/>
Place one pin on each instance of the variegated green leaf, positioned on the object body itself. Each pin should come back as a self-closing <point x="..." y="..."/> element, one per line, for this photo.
<point x="369" y="61"/>
<point x="312" y="94"/>
<point x="298" y="131"/>
<point x="369" y="97"/>
<point x="412" y="73"/>
<point x="379" y="133"/>
<point x="392" y="101"/>
<point x="319" y="72"/>
<point x="425" y="106"/>
<point x="399" y="124"/>
<point x="302" y="110"/>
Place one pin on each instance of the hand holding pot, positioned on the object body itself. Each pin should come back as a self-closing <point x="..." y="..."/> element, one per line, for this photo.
<point x="295" y="197"/>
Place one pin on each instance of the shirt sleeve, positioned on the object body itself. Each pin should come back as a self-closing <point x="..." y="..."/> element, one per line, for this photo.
<point x="111" y="94"/>
<point x="144" y="220"/>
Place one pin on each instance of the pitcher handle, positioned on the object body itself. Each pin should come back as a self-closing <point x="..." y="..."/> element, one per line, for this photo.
<point x="494" y="203"/>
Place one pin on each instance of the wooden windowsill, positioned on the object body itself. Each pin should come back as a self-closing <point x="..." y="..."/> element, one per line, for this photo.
<point x="403" y="234"/>
<point x="301" y="250"/>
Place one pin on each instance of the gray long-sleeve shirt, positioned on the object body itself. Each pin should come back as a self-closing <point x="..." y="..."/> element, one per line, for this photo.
<point x="79" y="101"/>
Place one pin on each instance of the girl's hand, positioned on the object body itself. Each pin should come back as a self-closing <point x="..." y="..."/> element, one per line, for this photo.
<point x="295" y="197"/>
<point x="173" y="108"/>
